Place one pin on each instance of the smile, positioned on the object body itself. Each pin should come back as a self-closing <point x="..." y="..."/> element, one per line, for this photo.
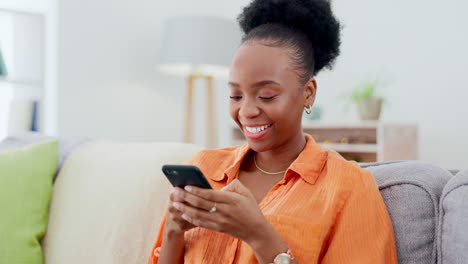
<point x="256" y="129"/>
<point x="256" y="132"/>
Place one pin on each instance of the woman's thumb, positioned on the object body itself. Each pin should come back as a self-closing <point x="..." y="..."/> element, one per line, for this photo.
<point x="237" y="187"/>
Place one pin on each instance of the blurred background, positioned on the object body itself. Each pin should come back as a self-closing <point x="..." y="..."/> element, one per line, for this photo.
<point x="91" y="68"/>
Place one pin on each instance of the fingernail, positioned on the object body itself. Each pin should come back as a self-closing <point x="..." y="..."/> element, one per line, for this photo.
<point x="176" y="205"/>
<point x="176" y="191"/>
<point x="188" y="188"/>
<point x="185" y="217"/>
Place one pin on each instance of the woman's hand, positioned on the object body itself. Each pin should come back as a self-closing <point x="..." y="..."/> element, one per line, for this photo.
<point x="237" y="212"/>
<point x="172" y="249"/>
<point x="174" y="221"/>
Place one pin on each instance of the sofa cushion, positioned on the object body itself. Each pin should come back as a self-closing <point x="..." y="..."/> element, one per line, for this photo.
<point x="411" y="191"/>
<point x="108" y="201"/>
<point x="66" y="145"/>
<point x="25" y="190"/>
<point x="453" y="231"/>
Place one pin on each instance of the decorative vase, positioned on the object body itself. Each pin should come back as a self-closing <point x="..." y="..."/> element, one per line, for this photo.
<point x="369" y="109"/>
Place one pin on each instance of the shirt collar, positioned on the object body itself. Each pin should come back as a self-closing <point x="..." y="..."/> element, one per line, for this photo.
<point x="308" y="165"/>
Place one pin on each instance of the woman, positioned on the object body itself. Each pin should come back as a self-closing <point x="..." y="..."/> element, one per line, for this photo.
<point x="280" y="197"/>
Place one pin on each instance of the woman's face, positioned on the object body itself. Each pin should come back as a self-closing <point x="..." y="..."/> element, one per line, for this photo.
<point x="267" y="96"/>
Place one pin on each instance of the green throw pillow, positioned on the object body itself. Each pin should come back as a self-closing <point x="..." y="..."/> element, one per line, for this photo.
<point x="25" y="191"/>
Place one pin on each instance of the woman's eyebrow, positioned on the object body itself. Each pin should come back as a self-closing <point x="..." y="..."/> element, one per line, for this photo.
<point x="257" y="84"/>
<point x="233" y="84"/>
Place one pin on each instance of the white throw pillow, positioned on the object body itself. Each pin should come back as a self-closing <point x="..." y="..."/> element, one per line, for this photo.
<point x="108" y="201"/>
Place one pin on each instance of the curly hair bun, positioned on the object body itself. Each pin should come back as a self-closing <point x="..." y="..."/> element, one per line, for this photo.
<point x="314" y="18"/>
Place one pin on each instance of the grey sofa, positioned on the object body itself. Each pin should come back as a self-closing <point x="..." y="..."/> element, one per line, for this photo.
<point x="427" y="204"/>
<point x="429" y="210"/>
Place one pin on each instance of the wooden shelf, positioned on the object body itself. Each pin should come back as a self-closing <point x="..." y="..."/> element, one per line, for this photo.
<point x="334" y="125"/>
<point x="358" y="148"/>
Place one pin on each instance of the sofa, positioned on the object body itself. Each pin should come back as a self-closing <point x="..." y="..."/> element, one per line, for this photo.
<point x="108" y="199"/>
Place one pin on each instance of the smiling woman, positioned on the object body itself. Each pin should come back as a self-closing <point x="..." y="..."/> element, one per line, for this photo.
<point x="280" y="198"/>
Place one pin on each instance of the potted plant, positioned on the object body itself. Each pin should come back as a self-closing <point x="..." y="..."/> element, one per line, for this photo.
<point x="368" y="103"/>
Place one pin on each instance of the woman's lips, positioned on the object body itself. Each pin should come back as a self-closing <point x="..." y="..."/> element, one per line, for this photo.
<point x="251" y="131"/>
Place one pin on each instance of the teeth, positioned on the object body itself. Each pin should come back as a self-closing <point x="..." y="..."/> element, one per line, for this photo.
<point x="256" y="129"/>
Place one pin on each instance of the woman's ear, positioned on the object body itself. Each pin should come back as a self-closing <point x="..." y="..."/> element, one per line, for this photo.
<point x="310" y="90"/>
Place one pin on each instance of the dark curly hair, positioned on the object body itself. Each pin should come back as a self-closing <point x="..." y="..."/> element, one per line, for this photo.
<point x="307" y="27"/>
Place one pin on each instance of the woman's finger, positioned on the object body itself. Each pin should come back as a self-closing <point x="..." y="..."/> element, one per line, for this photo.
<point x="211" y="195"/>
<point x="176" y="216"/>
<point x="237" y="187"/>
<point x="181" y="221"/>
<point x="175" y="195"/>
<point x="195" y="201"/>
<point x="196" y="213"/>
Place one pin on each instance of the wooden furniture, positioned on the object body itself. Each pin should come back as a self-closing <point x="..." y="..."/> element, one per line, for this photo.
<point x="366" y="141"/>
<point x="211" y="137"/>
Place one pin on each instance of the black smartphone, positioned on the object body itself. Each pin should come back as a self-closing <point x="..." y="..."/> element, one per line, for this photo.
<point x="181" y="175"/>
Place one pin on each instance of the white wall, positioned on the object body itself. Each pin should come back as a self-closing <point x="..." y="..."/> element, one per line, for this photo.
<point x="108" y="86"/>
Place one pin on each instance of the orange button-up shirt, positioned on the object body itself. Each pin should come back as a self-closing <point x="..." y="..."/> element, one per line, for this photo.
<point x="326" y="209"/>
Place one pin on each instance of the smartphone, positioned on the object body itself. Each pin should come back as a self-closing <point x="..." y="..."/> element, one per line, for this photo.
<point x="182" y="175"/>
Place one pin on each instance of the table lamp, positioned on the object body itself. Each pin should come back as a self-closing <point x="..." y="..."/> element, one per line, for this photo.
<point x="199" y="47"/>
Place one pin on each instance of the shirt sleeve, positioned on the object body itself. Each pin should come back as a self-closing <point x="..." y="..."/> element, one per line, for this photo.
<point x="363" y="231"/>
<point x="155" y="251"/>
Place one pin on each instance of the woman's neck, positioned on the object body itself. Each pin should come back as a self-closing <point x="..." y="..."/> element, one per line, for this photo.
<point x="280" y="158"/>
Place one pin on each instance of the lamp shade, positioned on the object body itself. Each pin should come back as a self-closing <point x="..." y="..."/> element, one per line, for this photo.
<point x="198" y="45"/>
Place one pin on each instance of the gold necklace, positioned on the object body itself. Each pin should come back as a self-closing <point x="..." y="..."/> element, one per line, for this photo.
<point x="267" y="172"/>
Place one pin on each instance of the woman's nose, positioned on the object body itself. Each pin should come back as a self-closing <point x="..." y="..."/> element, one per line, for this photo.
<point x="249" y="109"/>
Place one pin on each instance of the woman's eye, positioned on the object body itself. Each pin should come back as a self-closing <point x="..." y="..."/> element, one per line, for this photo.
<point x="235" y="98"/>
<point x="266" y="98"/>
